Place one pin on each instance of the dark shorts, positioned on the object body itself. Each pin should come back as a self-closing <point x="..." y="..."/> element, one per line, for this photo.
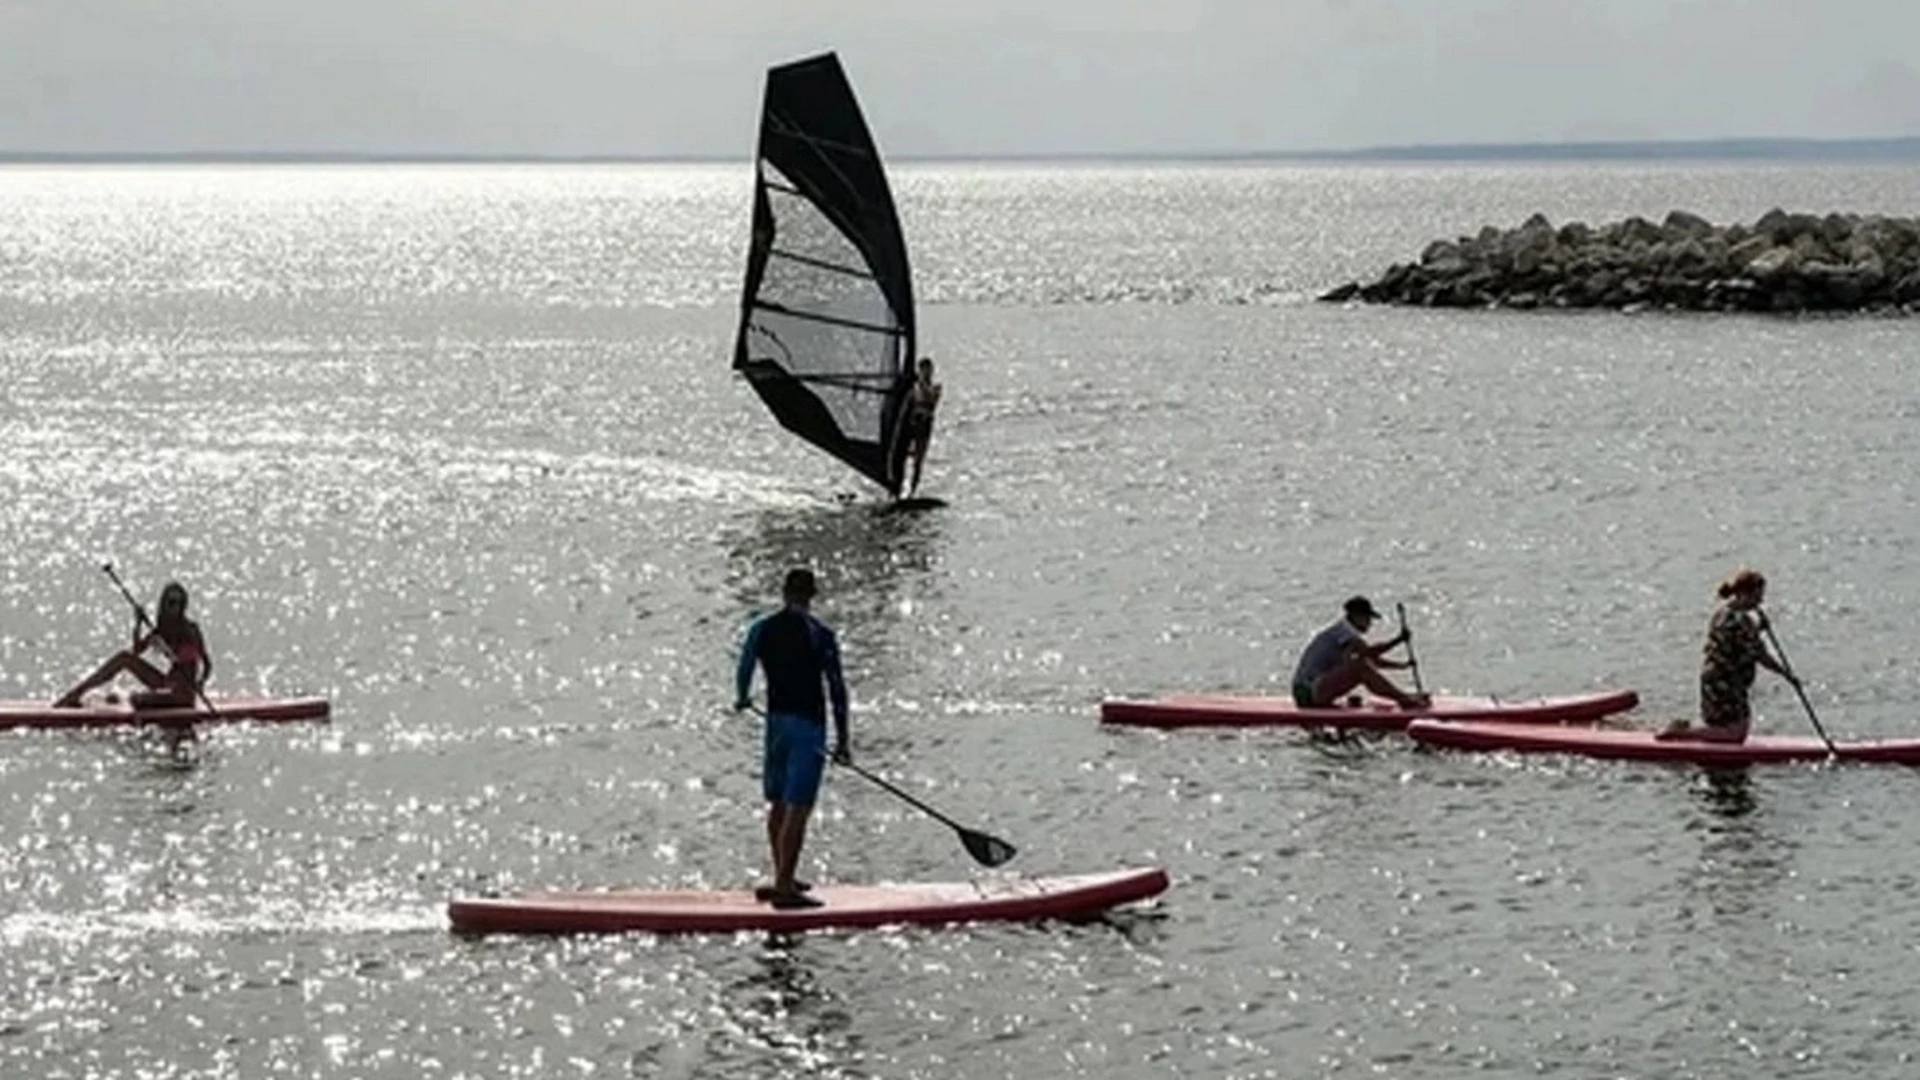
<point x="1303" y="695"/>
<point x="919" y="426"/>
<point x="796" y="749"/>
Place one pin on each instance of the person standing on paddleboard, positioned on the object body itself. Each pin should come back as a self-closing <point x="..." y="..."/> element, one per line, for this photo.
<point x="1339" y="659"/>
<point x="922" y="399"/>
<point x="174" y="634"/>
<point x="801" y="659"/>
<point x="1733" y="651"/>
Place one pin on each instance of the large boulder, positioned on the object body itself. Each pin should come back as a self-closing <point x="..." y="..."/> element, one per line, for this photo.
<point x="1743" y="252"/>
<point x="1774" y="225"/>
<point x="1639" y="228"/>
<point x="1688" y="254"/>
<point x="1681" y="224"/>
<point x="1772" y="263"/>
<point x="1809" y="225"/>
<point x="1830" y="285"/>
<point x="1812" y="247"/>
<point x="1907" y="289"/>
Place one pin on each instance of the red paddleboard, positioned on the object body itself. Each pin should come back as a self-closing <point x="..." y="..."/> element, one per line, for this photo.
<point x="1642" y="746"/>
<point x="39" y="714"/>
<point x="1378" y="714"/>
<point x="1078" y="895"/>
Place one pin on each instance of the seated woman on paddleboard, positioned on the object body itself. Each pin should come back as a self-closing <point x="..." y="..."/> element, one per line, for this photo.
<point x="1727" y="662"/>
<point x="922" y="399"/>
<point x="176" y="636"/>
<point x="1339" y="659"/>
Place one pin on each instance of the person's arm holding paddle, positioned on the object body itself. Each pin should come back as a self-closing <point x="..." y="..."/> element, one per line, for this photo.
<point x="204" y="656"/>
<point x="743" y="672"/>
<point x="1765" y="658"/>
<point x="1377" y="654"/>
<point x="836" y="697"/>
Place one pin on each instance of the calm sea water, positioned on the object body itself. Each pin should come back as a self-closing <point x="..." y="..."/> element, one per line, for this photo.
<point x="459" y="448"/>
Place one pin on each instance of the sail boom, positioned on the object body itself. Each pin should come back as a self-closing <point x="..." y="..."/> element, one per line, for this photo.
<point x="859" y="383"/>
<point x="822" y="264"/>
<point x="829" y="320"/>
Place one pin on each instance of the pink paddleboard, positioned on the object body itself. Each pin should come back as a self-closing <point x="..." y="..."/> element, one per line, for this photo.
<point x="1642" y="746"/>
<point x="39" y="714"/>
<point x="1230" y="710"/>
<point x="1078" y="895"/>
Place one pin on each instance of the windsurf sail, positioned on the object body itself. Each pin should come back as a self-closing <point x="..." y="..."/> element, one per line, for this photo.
<point x="826" y="317"/>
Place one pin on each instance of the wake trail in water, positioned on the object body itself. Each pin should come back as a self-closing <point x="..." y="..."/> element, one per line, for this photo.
<point x="23" y="927"/>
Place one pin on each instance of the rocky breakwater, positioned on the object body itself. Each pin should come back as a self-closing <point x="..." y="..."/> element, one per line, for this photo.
<point x="1782" y="262"/>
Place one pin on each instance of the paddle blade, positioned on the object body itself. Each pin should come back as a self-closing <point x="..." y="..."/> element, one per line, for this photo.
<point x="986" y="850"/>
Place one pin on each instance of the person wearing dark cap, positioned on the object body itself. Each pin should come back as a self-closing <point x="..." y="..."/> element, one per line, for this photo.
<point x="1339" y="659"/>
<point x="801" y="659"/>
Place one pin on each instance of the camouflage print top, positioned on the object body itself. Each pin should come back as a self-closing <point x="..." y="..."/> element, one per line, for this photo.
<point x="1733" y="647"/>
<point x="1727" y="667"/>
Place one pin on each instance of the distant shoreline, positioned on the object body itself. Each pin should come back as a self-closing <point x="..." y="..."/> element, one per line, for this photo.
<point x="1810" y="151"/>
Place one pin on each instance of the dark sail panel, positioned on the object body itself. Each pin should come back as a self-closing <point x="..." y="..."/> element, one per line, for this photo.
<point x="826" y="319"/>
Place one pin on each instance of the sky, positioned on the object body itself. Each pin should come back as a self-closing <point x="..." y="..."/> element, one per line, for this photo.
<point x="967" y="78"/>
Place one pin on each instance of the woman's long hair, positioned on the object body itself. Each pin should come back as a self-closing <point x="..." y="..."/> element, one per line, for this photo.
<point x="173" y="612"/>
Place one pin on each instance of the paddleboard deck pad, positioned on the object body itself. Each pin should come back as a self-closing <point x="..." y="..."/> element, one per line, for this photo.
<point x="1376" y="714"/>
<point x="841" y="906"/>
<point x="1641" y="745"/>
<point x="95" y="714"/>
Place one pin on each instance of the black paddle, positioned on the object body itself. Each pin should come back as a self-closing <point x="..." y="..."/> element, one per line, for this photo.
<point x="1766" y="625"/>
<point x="986" y="850"/>
<point x="1413" y="662"/>
<point x="140" y="615"/>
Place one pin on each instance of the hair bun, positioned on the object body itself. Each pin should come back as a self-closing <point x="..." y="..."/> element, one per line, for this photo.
<point x="1745" y="579"/>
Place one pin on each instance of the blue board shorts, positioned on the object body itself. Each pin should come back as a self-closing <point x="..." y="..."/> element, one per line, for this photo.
<point x="795" y="758"/>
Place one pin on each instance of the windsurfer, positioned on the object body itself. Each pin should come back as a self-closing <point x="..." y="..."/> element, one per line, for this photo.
<point x="922" y="399"/>
<point x="1727" y="663"/>
<point x="1339" y="659"/>
<point x="801" y="659"/>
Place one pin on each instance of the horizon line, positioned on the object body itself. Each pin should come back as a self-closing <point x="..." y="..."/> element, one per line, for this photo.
<point x="1794" y="148"/>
